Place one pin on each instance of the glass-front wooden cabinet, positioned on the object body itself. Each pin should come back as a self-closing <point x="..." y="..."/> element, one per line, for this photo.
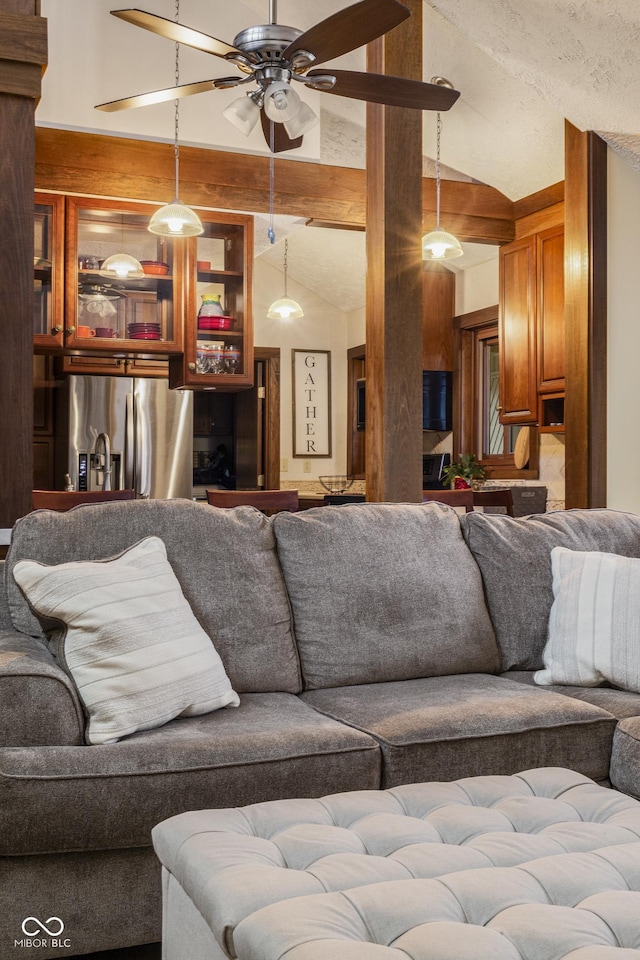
<point x="218" y="327"/>
<point x="122" y="315"/>
<point x="48" y="270"/>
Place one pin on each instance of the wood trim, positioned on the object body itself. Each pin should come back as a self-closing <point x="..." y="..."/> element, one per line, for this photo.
<point x="69" y="161"/>
<point x="539" y="201"/>
<point x="477" y="318"/>
<point x="23" y="53"/>
<point x="540" y="220"/>
<point x="585" y="318"/>
<point x="271" y="358"/>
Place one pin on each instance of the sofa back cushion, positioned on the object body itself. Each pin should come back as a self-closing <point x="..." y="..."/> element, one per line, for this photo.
<point x="383" y="591"/>
<point x="225" y="562"/>
<point x="514" y="556"/>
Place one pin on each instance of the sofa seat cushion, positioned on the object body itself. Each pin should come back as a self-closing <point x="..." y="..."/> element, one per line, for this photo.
<point x="225" y="562"/>
<point x="625" y="759"/>
<point x="443" y="728"/>
<point x="63" y="799"/>
<point x="619" y="703"/>
<point x="514" y="556"/>
<point x="383" y="591"/>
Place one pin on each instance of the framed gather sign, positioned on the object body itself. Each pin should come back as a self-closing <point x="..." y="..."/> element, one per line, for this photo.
<point x="311" y="372"/>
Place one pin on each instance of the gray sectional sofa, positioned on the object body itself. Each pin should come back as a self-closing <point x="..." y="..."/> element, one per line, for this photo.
<point x="370" y="645"/>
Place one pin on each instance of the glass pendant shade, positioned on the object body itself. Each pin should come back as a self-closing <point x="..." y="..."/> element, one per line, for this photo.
<point x="440" y="245"/>
<point x="243" y="113"/>
<point x="285" y="309"/>
<point x="121" y="267"/>
<point x="303" y="121"/>
<point x="281" y="102"/>
<point x="176" y="220"/>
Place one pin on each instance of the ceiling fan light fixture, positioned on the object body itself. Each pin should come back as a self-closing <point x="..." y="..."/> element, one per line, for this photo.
<point x="440" y="245"/>
<point x="304" y="120"/>
<point x="176" y="219"/>
<point x="121" y="266"/>
<point x="281" y="102"/>
<point x="244" y="112"/>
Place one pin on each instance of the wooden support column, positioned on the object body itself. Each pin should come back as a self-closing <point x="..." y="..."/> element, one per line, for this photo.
<point x="394" y="275"/>
<point x="585" y="318"/>
<point x="23" y="47"/>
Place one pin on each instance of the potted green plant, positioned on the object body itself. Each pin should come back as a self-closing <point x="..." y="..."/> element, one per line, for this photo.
<point x="461" y="473"/>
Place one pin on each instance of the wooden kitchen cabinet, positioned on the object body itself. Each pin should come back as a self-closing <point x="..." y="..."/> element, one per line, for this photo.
<point x="550" y="309"/>
<point x="103" y="316"/>
<point x="531" y="324"/>
<point x="517" y="333"/>
<point x="112" y="366"/>
<point x="218" y="262"/>
<point x="48" y="270"/>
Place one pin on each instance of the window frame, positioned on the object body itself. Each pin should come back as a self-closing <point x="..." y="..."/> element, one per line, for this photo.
<point x="472" y="331"/>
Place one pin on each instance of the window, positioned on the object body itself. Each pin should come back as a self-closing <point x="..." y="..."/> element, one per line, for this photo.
<point x="478" y="429"/>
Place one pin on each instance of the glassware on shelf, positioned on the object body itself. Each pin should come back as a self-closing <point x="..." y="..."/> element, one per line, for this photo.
<point x="231" y="358"/>
<point x="211" y="306"/>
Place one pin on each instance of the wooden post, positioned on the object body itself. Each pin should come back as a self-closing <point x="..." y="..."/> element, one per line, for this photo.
<point x="394" y="275"/>
<point x="585" y="318"/>
<point x="23" y="47"/>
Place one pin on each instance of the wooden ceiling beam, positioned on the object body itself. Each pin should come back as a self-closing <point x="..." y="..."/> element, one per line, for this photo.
<point x="70" y="161"/>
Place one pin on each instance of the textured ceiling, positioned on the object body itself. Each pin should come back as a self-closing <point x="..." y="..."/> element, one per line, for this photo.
<point x="521" y="69"/>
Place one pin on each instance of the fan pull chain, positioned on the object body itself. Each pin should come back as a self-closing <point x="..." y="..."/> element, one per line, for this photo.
<point x="271" y="233"/>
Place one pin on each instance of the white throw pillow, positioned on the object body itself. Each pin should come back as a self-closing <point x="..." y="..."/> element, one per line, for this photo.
<point x="124" y="631"/>
<point x="594" y="625"/>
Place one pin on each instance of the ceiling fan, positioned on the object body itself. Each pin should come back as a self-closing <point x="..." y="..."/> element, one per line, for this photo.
<point x="273" y="55"/>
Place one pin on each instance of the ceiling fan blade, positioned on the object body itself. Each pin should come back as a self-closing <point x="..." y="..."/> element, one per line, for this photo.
<point x="176" y="32"/>
<point x="157" y="96"/>
<point x="393" y="91"/>
<point x="349" y="28"/>
<point x="281" y="139"/>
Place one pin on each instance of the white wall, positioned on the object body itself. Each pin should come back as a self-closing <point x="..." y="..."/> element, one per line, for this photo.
<point x="477" y="287"/>
<point x="323" y="327"/>
<point x="623" y="339"/>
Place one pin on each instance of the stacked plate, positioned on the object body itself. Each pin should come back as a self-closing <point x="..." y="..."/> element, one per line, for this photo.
<point x="144" y="331"/>
<point x="215" y="323"/>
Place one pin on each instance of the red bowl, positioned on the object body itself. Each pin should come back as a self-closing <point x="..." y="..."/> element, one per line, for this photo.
<point x="155" y="268"/>
<point x="215" y="323"/>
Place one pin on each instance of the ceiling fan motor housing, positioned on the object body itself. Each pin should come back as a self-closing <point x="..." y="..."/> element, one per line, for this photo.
<point x="267" y="41"/>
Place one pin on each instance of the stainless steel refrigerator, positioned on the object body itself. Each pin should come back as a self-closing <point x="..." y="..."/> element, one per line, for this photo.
<point x="129" y="433"/>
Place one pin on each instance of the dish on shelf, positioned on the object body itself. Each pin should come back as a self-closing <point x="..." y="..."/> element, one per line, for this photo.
<point x="145" y="336"/>
<point x="215" y="323"/>
<point x="155" y="268"/>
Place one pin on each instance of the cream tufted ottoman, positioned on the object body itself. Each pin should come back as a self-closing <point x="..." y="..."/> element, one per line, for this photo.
<point x="431" y="871"/>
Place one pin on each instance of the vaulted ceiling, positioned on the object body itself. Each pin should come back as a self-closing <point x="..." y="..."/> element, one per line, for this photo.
<point x="521" y="69"/>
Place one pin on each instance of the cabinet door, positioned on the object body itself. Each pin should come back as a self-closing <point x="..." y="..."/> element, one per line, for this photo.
<point x="218" y="352"/>
<point x="550" y="312"/>
<point x="125" y="315"/>
<point x="517" y="332"/>
<point x="48" y="270"/>
<point x="438" y="311"/>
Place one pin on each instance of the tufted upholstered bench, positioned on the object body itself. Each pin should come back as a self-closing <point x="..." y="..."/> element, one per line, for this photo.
<point x="488" y="862"/>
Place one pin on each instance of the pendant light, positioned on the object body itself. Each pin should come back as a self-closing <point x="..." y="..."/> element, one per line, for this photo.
<point x="438" y="244"/>
<point x="121" y="266"/>
<point x="176" y="219"/>
<point x="285" y="308"/>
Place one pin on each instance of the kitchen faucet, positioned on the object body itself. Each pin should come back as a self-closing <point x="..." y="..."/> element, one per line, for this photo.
<point x="102" y="461"/>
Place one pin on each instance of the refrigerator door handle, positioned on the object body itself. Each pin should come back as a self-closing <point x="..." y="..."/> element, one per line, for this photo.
<point x="130" y="444"/>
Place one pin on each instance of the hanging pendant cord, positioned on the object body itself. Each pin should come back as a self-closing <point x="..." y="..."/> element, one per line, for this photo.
<point x="176" y="103"/>
<point x="271" y="233"/>
<point x="286" y="251"/>
<point x="438" y="129"/>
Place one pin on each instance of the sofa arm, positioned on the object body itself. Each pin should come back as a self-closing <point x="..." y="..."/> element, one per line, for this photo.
<point x="39" y="705"/>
